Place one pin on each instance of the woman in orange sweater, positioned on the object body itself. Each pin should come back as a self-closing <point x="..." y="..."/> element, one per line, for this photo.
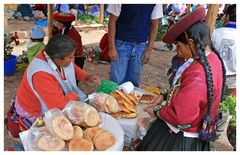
<point x="49" y="82"/>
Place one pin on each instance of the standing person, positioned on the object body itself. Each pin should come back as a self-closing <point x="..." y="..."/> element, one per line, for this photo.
<point x="48" y="82"/>
<point x="104" y="45"/>
<point x="132" y="33"/>
<point x="40" y="11"/>
<point x="65" y="8"/>
<point x="63" y="25"/>
<point x="188" y="120"/>
<point x="36" y="43"/>
<point x="224" y="40"/>
<point x="26" y="11"/>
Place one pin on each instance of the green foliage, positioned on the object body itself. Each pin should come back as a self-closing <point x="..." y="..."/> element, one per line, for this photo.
<point x="8" y="47"/>
<point x="229" y="106"/>
<point x="90" y="19"/>
<point x="86" y="18"/>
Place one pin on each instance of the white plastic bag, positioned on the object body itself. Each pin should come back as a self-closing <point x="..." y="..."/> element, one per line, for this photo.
<point x="58" y="124"/>
<point x="34" y="134"/>
<point x="80" y="113"/>
<point x="104" y="102"/>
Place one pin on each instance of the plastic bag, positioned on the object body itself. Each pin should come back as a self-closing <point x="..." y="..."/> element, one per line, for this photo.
<point x="74" y="112"/>
<point x="143" y="125"/>
<point x="34" y="134"/>
<point x="104" y="102"/>
<point x="80" y="113"/>
<point x="107" y="86"/>
<point x="58" y="124"/>
<point x="36" y="142"/>
<point x="97" y="100"/>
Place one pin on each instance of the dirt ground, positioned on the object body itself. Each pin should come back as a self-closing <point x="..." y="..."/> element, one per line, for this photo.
<point x="154" y="73"/>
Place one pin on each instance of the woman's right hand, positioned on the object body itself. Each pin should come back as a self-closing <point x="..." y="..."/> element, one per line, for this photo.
<point x="113" y="54"/>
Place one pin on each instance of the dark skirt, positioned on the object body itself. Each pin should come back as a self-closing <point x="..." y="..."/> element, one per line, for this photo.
<point x="158" y="138"/>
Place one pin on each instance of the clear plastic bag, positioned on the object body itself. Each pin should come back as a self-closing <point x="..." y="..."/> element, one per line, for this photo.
<point x="58" y="124"/>
<point x="80" y="113"/>
<point x="97" y="100"/>
<point x="34" y="134"/>
<point x="104" y="102"/>
<point x="74" y="111"/>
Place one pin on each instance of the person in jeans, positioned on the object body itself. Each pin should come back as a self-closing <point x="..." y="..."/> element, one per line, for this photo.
<point x="132" y="32"/>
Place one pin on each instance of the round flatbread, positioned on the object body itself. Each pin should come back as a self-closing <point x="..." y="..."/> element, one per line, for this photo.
<point x="129" y="115"/>
<point x="78" y="132"/>
<point x="62" y="128"/>
<point x="80" y="144"/>
<point x="103" y="140"/>
<point x="111" y="105"/>
<point x="91" y="116"/>
<point x="89" y="133"/>
<point x="49" y="142"/>
<point x="117" y="115"/>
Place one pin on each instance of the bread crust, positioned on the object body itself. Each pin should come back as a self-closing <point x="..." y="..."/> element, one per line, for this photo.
<point x="62" y="127"/>
<point x="50" y="143"/>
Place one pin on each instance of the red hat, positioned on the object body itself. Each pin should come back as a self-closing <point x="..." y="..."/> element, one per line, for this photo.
<point x="183" y="24"/>
<point x="63" y="17"/>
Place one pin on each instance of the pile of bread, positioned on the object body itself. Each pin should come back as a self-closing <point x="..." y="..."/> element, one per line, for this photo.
<point x="61" y="134"/>
<point x="119" y="104"/>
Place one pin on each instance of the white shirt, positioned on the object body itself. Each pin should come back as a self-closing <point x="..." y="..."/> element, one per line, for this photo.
<point x="115" y="9"/>
<point x="224" y="40"/>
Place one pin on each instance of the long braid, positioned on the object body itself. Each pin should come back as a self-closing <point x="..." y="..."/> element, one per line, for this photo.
<point x="223" y="70"/>
<point x="208" y="72"/>
<point x="200" y="34"/>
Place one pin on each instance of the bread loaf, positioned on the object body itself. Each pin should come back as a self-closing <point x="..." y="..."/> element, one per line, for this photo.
<point x="103" y="140"/>
<point x="80" y="144"/>
<point x="117" y="115"/>
<point x="89" y="133"/>
<point x="127" y="102"/>
<point x="129" y="115"/>
<point x="62" y="128"/>
<point x="91" y="116"/>
<point x="48" y="142"/>
<point x="78" y="132"/>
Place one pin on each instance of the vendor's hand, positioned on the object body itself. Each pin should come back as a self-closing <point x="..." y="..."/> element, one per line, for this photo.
<point x="113" y="54"/>
<point x="149" y="110"/>
<point x="92" y="79"/>
<point x="146" y="56"/>
<point x="158" y="100"/>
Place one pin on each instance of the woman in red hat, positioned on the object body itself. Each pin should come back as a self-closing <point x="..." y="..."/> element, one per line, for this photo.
<point x="64" y="25"/>
<point x="188" y="119"/>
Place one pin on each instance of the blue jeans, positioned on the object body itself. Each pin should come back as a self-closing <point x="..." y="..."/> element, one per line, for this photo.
<point x="129" y="65"/>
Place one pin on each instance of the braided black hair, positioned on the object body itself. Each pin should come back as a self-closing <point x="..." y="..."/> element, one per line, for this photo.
<point x="200" y="33"/>
<point x="223" y="70"/>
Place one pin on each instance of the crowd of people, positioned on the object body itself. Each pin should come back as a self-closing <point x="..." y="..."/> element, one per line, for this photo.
<point x="204" y="65"/>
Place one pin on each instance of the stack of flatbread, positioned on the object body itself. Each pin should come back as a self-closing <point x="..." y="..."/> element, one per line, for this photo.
<point x="108" y="103"/>
<point x="91" y="138"/>
<point x="82" y="114"/>
<point x="73" y="138"/>
<point x="127" y="103"/>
